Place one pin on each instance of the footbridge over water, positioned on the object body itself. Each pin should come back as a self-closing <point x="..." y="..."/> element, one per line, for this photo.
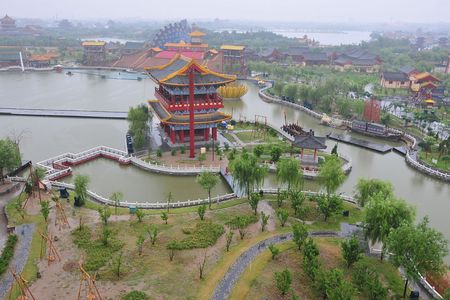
<point x="64" y="113"/>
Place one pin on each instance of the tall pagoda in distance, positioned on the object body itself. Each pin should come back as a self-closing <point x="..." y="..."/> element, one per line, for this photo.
<point x="187" y="101"/>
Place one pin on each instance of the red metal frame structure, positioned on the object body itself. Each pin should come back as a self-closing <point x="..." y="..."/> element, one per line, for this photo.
<point x="187" y="99"/>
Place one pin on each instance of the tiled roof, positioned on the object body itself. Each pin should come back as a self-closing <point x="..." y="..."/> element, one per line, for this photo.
<point x="309" y="141"/>
<point x="232" y="47"/>
<point x="395" y="76"/>
<point x="407" y="69"/>
<point x="171" y="54"/>
<point x="133" y="45"/>
<point x="197" y="33"/>
<point x="93" y="43"/>
<point x="166" y="117"/>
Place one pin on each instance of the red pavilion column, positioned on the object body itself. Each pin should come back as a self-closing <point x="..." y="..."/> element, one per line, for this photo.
<point x="302" y="153"/>
<point x="172" y="135"/>
<point x="191" y="114"/>
<point x="214" y="133"/>
<point x="182" y="136"/>
<point x="206" y="134"/>
<point x="315" y="154"/>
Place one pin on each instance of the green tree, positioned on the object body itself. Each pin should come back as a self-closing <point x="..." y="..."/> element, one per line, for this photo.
<point x="283" y="215"/>
<point x="275" y="153"/>
<point x="264" y="220"/>
<point x="116" y="197"/>
<point x="208" y="181"/>
<point x="367" y="188"/>
<point x="367" y="281"/>
<point x="258" y="150"/>
<point x="297" y="199"/>
<point x="169" y="200"/>
<point x="300" y="232"/>
<point x="140" y="243"/>
<point x="310" y="259"/>
<point x="254" y="200"/>
<point x="283" y="281"/>
<point x="81" y="188"/>
<point x="106" y="234"/>
<point x="351" y="251"/>
<point x="140" y="214"/>
<point x="152" y="232"/>
<point x="281" y="196"/>
<point x="138" y="122"/>
<point x="45" y="210"/>
<point x="384" y="215"/>
<point x="247" y="172"/>
<point x="9" y="157"/>
<point x="333" y="285"/>
<point x="104" y="213"/>
<point x="334" y="150"/>
<point x="329" y="205"/>
<point x="290" y="90"/>
<point x="290" y="173"/>
<point x="201" y="210"/>
<point x="274" y="251"/>
<point x="229" y="238"/>
<point x="331" y="175"/>
<point x="164" y="216"/>
<point x="117" y="264"/>
<point x="201" y="158"/>
<point x="419" y="250"/>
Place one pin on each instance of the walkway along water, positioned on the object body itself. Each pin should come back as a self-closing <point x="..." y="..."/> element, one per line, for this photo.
<point x="410" y="157"/>
<point x="63" y="113"/>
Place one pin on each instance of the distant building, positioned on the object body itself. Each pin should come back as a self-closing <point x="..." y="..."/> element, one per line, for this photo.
<point x="408" y="70"/>
<point x="233" y="59"/>
<point x="172" y="33"/>
<point x="94" y="52"/>
<point x="132" y="47"/>
<point x="270" y="55"/>
<point x="43" y="60"/>
<point x="358" y="60"/>
<point x="394" y="80"/>
<point x="7" y="24"/>
<point x="11" y="56"/>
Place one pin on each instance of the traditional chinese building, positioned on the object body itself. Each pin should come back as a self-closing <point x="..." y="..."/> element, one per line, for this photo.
<point x="7" y="24"/>
<point x="233" y="59"/>
<point x="187" y="101"/>
<point x="94" y="52"/>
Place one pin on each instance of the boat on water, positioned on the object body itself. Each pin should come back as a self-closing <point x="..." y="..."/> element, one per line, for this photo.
<point x="374" y="129"/>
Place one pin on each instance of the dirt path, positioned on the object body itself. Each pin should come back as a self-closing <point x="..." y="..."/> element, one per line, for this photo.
<point x="264" y="206"/>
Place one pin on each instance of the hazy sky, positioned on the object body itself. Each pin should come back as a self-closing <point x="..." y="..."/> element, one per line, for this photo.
<point x="429" y="11"/>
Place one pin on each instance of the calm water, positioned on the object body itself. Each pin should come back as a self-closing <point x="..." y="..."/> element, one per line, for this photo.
<point x="45" y="137"/>
<point x="330" y="38"/>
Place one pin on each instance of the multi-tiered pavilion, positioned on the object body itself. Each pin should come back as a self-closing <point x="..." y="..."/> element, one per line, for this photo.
<point x="187" y="101"/>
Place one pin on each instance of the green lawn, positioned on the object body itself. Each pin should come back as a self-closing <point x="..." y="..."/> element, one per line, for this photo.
<point x="443" y="163"/>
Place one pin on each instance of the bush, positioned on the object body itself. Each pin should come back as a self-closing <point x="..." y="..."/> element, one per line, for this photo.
<point x="8" y="253"/>
<point x="243" y="220"/>
<point x="183" y="149"/>
<point x="136" y="295"/>
<point x="173" y="152"/>
<point x="205" y="234"/>
<point x="158" y="153"/>
<point x="97" y="254"/>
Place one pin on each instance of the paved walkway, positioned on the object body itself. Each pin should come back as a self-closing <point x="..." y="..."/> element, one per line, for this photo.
<point x="226" y="285"/>
<point x="4" y="199"/>
<point x="25" y="235"/>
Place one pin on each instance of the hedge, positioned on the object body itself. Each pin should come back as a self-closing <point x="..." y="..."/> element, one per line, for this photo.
<point x="8" y="253"/>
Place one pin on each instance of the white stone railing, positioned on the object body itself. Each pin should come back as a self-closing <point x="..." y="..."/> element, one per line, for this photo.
<point x="145" y="205"/>
<point x="311" y="193"/>
<point x="423" y="168"/>
<point x="119" y="155"/>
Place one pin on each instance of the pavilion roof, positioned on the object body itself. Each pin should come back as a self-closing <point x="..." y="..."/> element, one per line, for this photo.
<point x="185" y="45"/>
<point x="426" y="75"/>
<point x="395" y="76"/>
<point x="175" y="73"/>
<point x="309" y="141"/>
<point x="7" y="18"/>
<point x="197" y="33"/>
<point x="232" y="47"/>
<point x="93" y="43"/>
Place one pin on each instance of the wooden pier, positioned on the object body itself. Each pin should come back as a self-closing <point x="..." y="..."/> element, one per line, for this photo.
<point x="380" y="148"/>
<point x="64" y="113"/>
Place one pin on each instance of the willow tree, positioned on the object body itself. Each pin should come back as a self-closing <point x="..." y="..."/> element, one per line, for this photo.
<point x="331" y="175"/>
<point x="290" y="173"/>
<point x="208" y="181"/>
<point x="367" y="188"/>
<point x="419" y="250"/>
<point x="384" y="215"/>
<point x="247" y="172"/>
<point x="9" y="157"/>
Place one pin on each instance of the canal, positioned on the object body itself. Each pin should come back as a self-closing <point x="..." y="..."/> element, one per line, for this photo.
<point x="45" y="137"/>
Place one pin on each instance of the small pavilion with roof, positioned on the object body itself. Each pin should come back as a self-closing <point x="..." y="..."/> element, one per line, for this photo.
<point x="309" y="141"/>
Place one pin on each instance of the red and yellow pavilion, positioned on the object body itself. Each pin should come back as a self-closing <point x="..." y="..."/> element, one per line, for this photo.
<point x="187" y="101"/>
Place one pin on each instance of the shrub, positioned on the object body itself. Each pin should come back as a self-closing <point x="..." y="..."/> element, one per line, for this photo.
<point x="367" y="281"/>
<point x="242" y="221"/>
<point x="97" y="254"/>
<point x="283" y="280"/>
<point x="159" y="153"/>
<point x="8" y="252"/>
<point x="205" y="234"/>
<point x="173" y="152"/>
<point x="183" y="149"/>
<point x="201" y="210"/>
<point x="227" y="146"/>
<point x="136" y="295"/>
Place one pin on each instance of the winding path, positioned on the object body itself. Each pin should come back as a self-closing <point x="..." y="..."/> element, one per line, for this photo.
<point x="226" y="285"/>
